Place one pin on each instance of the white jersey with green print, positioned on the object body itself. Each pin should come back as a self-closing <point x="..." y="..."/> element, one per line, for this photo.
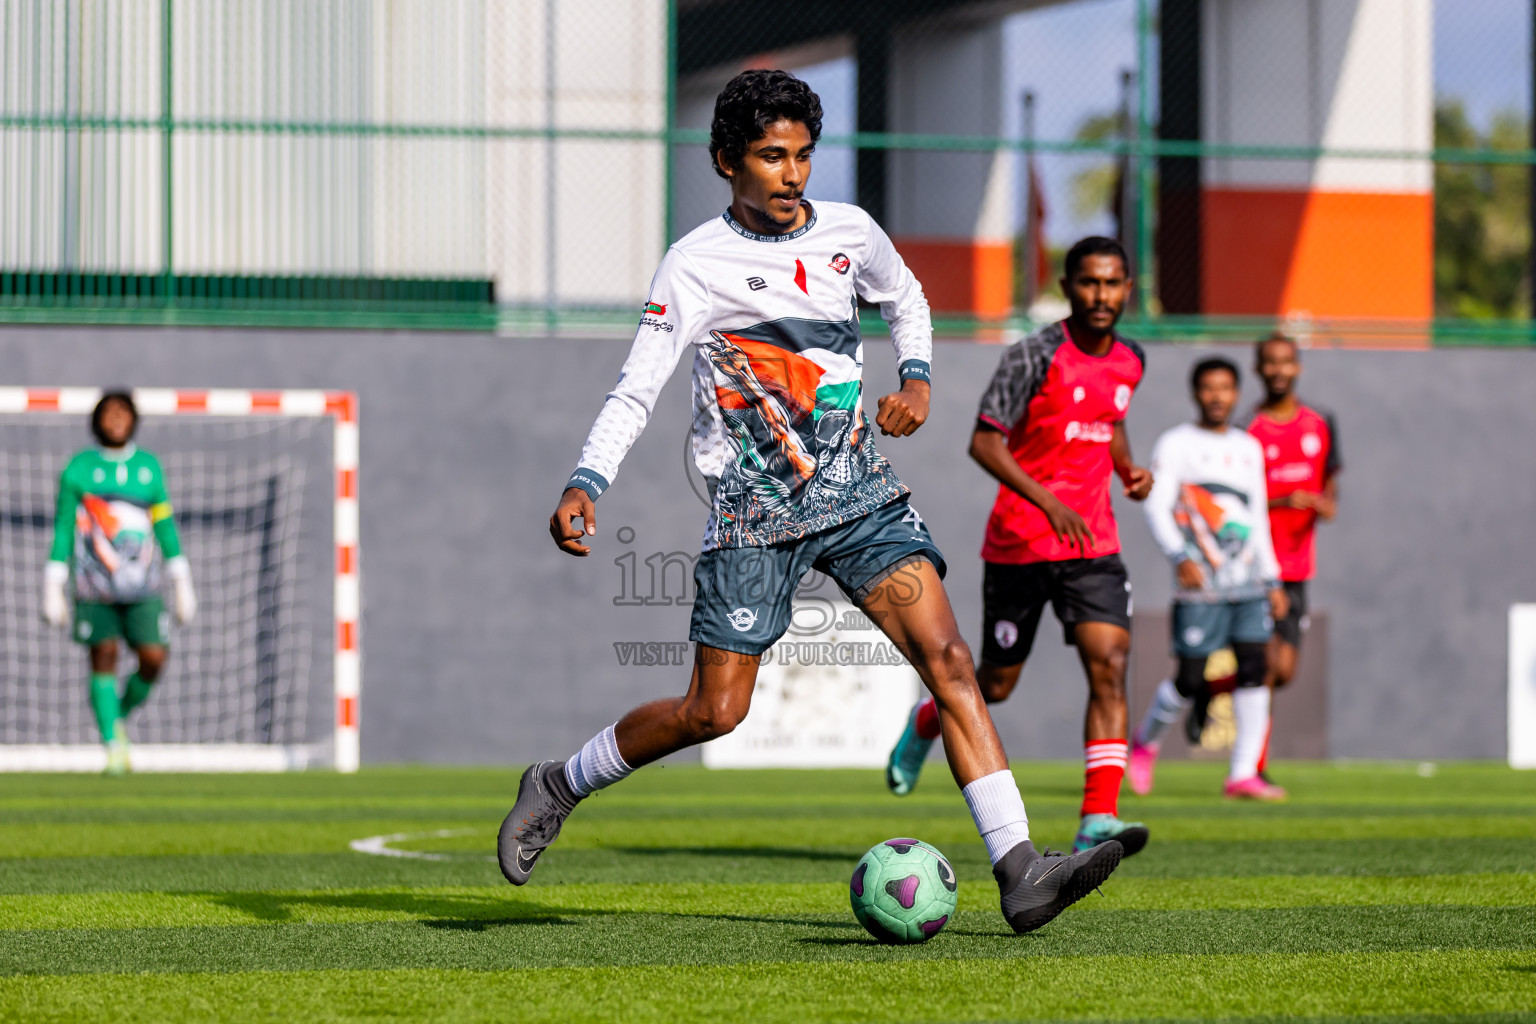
<point x="779" y="432"/>
<point x="113" y="515"/>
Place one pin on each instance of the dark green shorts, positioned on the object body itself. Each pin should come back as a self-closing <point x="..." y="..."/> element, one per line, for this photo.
<point x="746" y="595"/>
<point x="142" y="624"/>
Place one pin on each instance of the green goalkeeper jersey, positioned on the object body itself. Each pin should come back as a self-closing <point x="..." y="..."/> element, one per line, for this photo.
<point x="112" y="510"/>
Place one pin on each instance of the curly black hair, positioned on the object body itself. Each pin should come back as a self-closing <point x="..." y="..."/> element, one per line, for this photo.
<point x="123" y="396"/>
<point x="751" y="102"/>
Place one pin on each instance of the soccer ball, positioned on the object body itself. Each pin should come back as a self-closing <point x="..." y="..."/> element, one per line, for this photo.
<point x="903" y="891"/>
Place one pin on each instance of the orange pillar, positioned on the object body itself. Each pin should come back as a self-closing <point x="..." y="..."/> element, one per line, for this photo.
<point x="1328" y="238"/>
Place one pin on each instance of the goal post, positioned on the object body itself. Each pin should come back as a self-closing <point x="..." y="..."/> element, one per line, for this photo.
<point x="236" y="693"/>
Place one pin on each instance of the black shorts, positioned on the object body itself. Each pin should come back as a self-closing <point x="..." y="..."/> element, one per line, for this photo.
<point x="1013" y="597"/>
<point x="1295" y="623"/>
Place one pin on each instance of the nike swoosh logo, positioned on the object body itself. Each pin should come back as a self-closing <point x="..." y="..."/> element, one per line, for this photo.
<point x="526" y="864"/>
<point x="1048" y="871"/>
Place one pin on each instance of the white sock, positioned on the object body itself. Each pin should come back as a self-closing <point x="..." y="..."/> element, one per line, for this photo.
<point x="1165" y="709"/>
<point x="597" y="764"/>
<point x="998" y="810"/>
<point x="1250" y="706"/>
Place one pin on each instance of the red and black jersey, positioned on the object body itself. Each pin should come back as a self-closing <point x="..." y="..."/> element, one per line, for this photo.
<point x="1299" y="455"/>
<point x="1059" y="406"/>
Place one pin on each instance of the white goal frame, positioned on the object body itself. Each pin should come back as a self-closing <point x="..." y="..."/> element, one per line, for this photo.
<point x="343" y="751"/>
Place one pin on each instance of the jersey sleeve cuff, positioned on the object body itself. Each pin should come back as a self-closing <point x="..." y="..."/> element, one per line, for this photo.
<point x="983" y="420"/>
<point x="56" y="572"/>
<point x="593" y="483"/>
<point x="916" y="369"/>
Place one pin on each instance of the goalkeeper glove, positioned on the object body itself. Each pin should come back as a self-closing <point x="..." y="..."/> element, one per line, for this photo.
<point x="55" y="601"/>
<point x="180" y="572"/>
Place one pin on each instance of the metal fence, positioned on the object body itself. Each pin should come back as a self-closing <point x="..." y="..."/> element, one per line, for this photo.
<point x="1343" y="169"/>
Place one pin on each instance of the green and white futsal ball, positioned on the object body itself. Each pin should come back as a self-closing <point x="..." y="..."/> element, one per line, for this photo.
<point x="903" y="891"/>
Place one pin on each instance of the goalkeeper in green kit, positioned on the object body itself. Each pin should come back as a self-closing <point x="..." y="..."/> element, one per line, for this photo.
<point x="113" y="516"/>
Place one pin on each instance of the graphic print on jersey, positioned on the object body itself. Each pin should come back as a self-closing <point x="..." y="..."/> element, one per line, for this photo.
<point x="112" y="523"/>
<point x="778" y="431"/>
<point x="799" y="444"/>
<point x="1209" y="504"/>
<point x="114" y="548"/>
<point x="1217" y="520"/>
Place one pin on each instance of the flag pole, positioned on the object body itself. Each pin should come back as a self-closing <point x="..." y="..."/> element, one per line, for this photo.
<point x="1031" y="228"/>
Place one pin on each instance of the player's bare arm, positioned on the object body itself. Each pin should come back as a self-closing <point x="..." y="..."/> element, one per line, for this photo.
<point x="1326" y="504"/>
<point x="902" y="412"/>
<point x="1137" y="479"/>
<point x="1279" y="604"/>
<point x="575" y="504"/>
<point x="990" y="450"/>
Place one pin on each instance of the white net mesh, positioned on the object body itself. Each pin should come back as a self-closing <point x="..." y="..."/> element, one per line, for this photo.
<point x="240" y="671"/>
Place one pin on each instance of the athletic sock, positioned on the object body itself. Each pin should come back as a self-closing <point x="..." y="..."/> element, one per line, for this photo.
<point x="1250" y="706"/>
<point x="927" y="722"/>
<point x="998" y="810"/>
<point x="1165" y="709"/>
<point x="104" y="702"/>
<point x="1104" y="767"/>
<point x="597" y="764"/>
<point x="136" y="693"/>
<point x="1264" y="753"/>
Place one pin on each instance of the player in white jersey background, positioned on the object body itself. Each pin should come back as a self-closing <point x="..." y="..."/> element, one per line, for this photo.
<point x="765" y="299"/>
<point x="1209" y="513"/>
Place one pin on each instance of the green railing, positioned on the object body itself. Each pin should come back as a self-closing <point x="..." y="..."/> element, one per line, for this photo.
<point x="160" y="282"/>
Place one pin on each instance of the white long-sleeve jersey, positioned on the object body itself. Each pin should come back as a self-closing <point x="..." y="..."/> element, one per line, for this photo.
<point x="1210" y="503"/>
<point x="779" y="431"/>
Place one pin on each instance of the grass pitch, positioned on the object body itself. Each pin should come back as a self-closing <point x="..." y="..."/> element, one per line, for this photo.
<point x="1377" y="894"/>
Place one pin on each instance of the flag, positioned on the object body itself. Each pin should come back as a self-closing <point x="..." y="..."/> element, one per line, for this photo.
<point x="1038" y="271"/>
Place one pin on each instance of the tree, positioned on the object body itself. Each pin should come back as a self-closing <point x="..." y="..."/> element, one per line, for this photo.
<point x="1482" y="220"/>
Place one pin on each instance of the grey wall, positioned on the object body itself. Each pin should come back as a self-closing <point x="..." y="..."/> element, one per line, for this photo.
<point x="483" y="643"/>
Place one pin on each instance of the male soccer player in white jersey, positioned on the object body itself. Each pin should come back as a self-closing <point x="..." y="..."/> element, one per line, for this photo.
<point x="765" y="298"/>
<point x="1209" y="513"/>
<point x="1051" y="430"/>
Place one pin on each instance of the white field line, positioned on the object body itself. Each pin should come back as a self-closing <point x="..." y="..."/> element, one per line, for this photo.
<point x="379" y="846"/>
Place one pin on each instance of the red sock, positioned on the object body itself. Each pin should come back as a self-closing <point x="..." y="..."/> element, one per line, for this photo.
<point x="1264" y="751"/>
<point x="1105" y="767"/>
<point x="928" y="719"/>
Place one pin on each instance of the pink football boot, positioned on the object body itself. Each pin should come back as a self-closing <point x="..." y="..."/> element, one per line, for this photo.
<point x="1143" y="760"/>
<point x="1253" y="788"/>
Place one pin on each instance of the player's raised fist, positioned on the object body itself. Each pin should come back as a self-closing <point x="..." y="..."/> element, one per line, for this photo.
<point x="575" y="504"/>
<point x="1138" y="483"/>
<point x="902" y="412"/>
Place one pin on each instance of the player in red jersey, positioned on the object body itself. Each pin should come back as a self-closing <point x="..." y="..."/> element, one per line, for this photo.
<point x="1302" y="466"/>
<point x="1051" y="429"/>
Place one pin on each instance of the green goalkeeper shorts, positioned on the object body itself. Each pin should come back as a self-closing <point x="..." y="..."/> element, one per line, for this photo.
<point x="142" y="624"/>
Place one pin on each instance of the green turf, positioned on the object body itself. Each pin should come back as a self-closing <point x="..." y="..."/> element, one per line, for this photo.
<point x="1377" y="894"/>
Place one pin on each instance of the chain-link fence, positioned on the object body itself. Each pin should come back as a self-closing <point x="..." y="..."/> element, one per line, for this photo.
<point x="1357" y="169"/>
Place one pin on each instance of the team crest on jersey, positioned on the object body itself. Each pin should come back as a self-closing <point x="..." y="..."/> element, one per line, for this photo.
<point x="1123" y="397"/>
<point x="840" y="263"/>
<point x="1311" y="444"/>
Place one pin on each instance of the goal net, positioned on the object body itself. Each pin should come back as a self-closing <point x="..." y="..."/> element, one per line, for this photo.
<point x="266" y="677"/>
